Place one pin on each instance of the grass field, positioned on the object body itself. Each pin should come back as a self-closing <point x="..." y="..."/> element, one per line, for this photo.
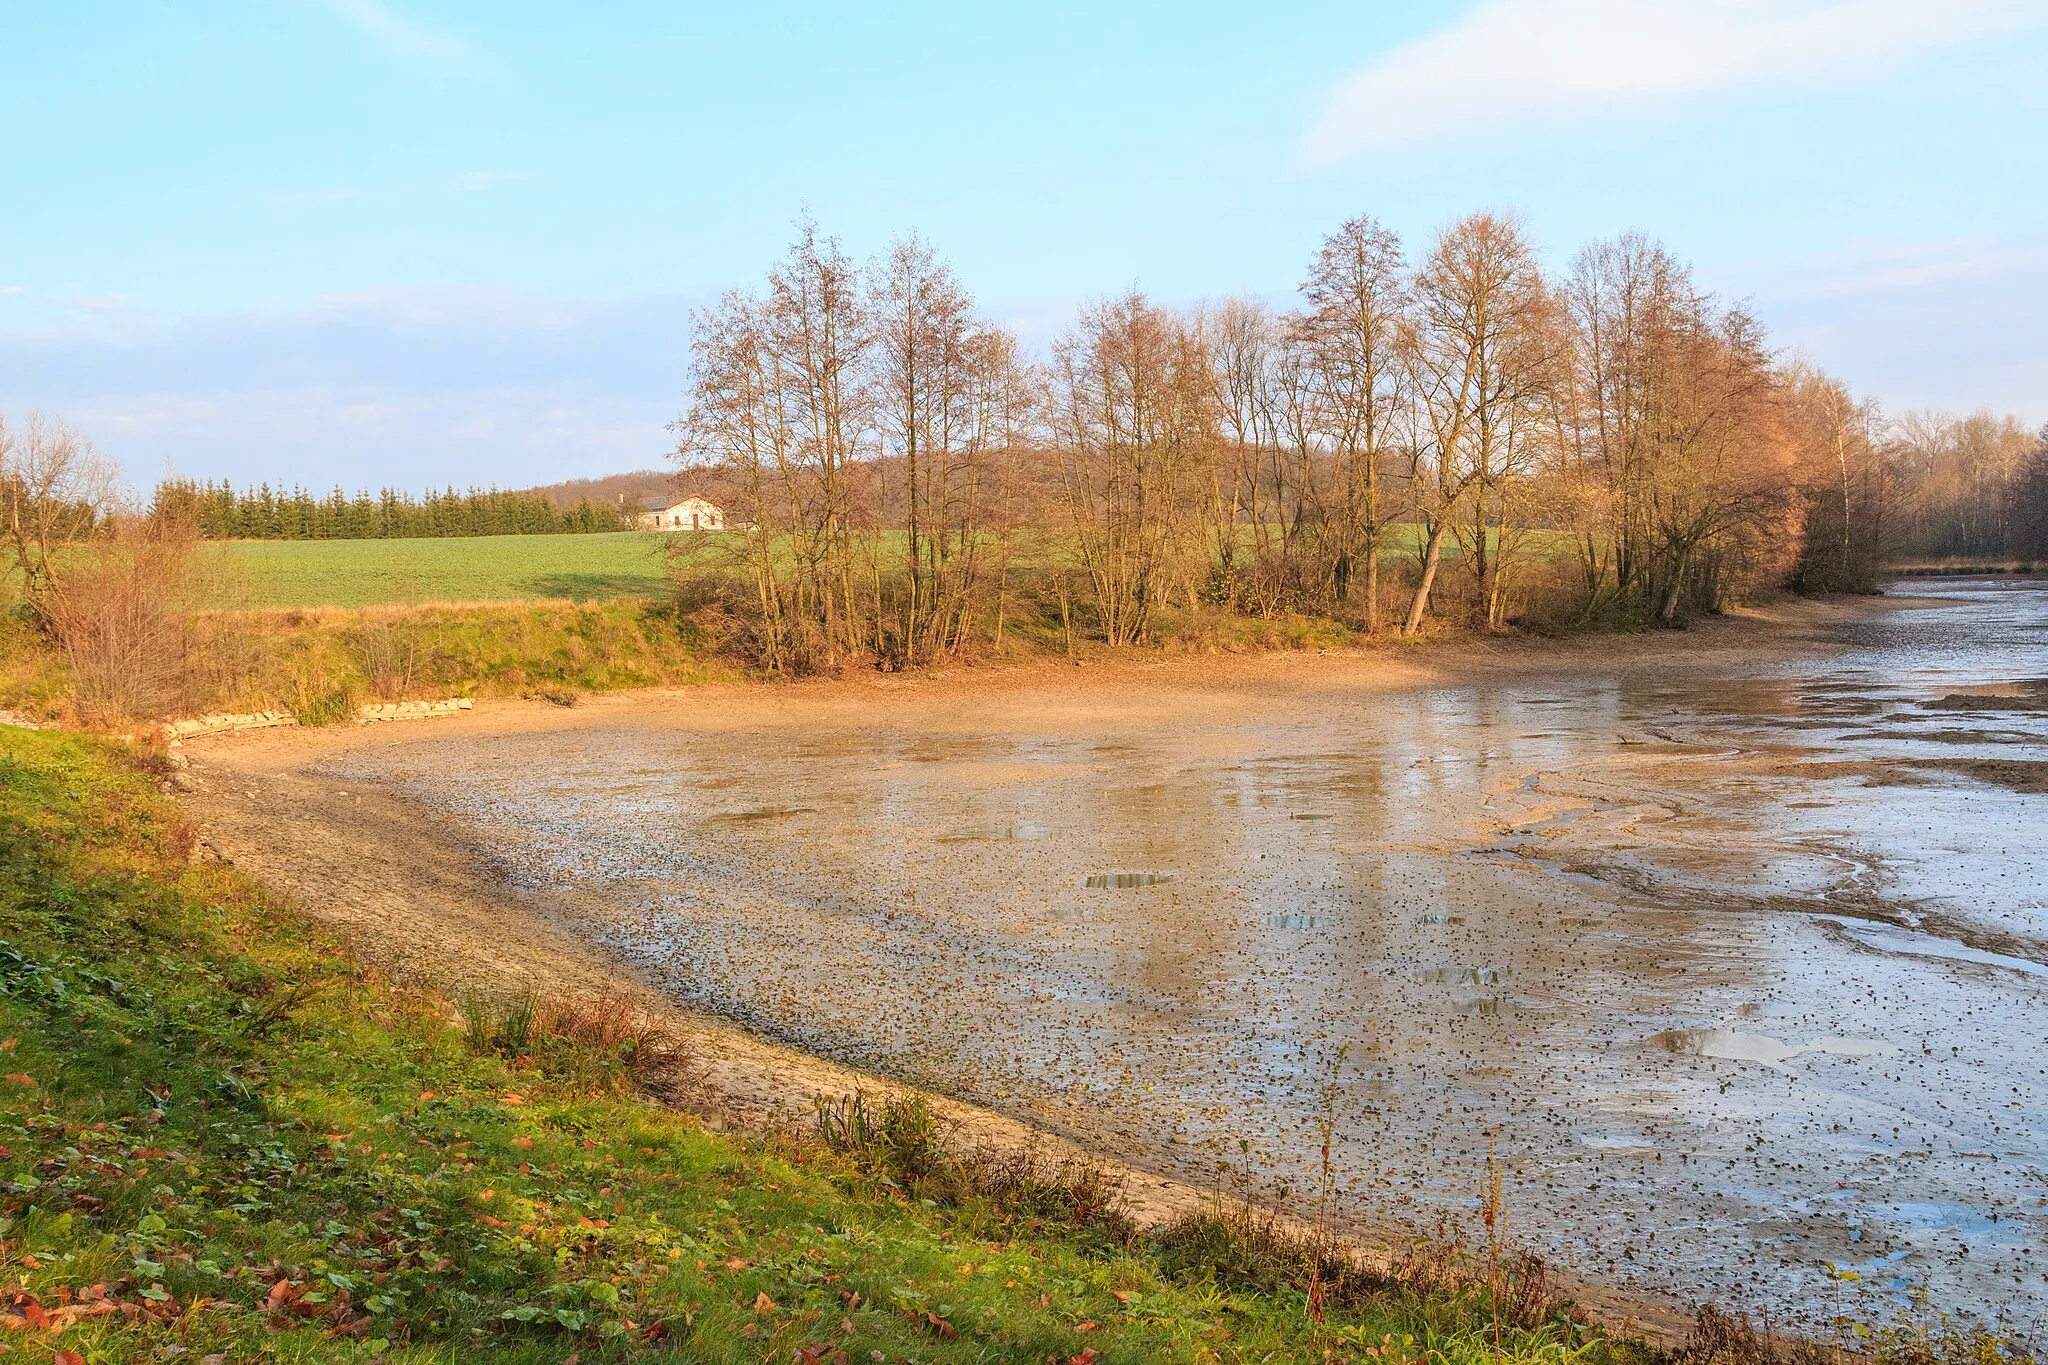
<point x="579" y="568"/>
<point x="361" y="573"/>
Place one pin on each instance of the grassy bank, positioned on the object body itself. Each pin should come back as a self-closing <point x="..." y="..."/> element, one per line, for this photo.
<point x="220" y="1141"/>
<point x="320" y="664"/>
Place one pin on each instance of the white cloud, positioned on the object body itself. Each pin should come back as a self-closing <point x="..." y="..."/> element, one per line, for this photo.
<point x="1510" y="60"/>
<point x="405" y="38"/>
<point x="12" y="289"/>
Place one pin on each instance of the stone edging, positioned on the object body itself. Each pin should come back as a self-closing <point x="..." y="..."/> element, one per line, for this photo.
<point x="178" y="731"/>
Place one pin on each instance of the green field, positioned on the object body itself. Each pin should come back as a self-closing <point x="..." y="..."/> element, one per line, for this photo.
<point x="359" y="573"/>
<point x="578" y="568"/>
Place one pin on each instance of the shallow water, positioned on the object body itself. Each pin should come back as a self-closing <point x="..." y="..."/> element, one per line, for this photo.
<point x="1740" y="974"/>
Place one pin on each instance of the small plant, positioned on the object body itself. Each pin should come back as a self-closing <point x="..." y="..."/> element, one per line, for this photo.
<point x="333" y="706"/>
<point x="602" y="1044"/>
<point x="900" y="1140"/>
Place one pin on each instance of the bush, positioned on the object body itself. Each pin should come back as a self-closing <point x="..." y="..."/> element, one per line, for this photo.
<point x="123" y="623"/>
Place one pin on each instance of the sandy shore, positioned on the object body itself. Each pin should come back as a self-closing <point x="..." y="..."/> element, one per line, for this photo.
<point x="419" y="894"/>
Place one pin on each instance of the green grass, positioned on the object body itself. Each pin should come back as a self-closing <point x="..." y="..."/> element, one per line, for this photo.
<point x="216" y="1134"/>
<point x="582" y="568"/>
<point x="357" y="573"/>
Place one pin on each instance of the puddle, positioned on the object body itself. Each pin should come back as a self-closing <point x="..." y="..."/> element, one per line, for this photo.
<point x="762" y="813"/>
<point x="1890" y="938"/>
<point x="1729" y="1045"/>
<point x="995" y="834"/>
<point x="1123" y="881"/>
<point x="1461" y="976"/>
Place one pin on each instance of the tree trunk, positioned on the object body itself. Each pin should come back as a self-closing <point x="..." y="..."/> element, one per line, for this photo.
<point x="1430" y="559"/>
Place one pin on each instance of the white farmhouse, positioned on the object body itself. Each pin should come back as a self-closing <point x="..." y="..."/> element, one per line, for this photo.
<point x="691" y="514"/>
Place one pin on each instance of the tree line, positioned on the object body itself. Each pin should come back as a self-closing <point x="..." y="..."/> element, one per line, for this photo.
<point x="1444" y="432"/>
<point x="1971" y="489"/>
<point x="219" y="511"/>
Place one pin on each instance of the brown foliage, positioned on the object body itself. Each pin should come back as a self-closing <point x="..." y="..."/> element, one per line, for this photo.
<point x="124" y="622"/>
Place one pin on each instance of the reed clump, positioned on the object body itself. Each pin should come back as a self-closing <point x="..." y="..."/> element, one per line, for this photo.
<point x="602" y="1044"/>
<point x="900" y="1145"/>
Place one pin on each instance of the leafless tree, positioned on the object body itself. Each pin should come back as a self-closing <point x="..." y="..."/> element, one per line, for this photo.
<point x="1357" y="300"/>
<point x="1131" y="405"/>
<point x="55" y="491"/>
<point x="1480" y="359"/>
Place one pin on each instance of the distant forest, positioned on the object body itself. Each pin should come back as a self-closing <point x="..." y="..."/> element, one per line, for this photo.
<point x="222" y="512"/>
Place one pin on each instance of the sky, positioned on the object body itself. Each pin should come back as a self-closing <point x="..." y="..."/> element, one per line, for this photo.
<point x="421" y="242"/>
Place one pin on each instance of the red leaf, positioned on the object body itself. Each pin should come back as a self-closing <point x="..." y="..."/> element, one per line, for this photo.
<point x="67" y="1358"/>
<point x="941" y="1326"/>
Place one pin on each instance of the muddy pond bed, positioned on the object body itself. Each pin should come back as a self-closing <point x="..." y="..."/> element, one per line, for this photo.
<point x="1742" y="971"/>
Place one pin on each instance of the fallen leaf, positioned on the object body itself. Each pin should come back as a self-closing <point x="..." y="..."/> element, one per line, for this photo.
<point x="1121" y="1297"/>
<point x="19" y="1079"/>
<point x="763" y="1304"/>
<point x="941" y="1326"/>
<point x="1084" y="1326"/>
<point x="67" y="1358"/>
<point x="1087" y="1357"/>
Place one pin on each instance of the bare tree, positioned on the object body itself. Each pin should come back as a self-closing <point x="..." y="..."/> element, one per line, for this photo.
<point x="1357" y="297"/>
<point x="1131" y="403"/>
<point x="945" y="390"/>
<point x="1480" y="362"/>
<point x="123" y="618"/>
<point x="780" y="400"/>
<point x="55" y="491"/>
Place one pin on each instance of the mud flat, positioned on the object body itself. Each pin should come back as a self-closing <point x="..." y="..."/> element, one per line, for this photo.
<point x="1730" y="943"/>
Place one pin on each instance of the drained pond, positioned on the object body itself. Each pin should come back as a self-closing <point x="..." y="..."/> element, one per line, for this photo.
<point x="1741" y="972"/>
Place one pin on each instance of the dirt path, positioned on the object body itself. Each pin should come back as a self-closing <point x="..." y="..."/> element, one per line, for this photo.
<point x="419" y="894"/>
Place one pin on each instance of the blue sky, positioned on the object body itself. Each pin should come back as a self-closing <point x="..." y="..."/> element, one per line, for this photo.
<point x="419" y="242"/>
